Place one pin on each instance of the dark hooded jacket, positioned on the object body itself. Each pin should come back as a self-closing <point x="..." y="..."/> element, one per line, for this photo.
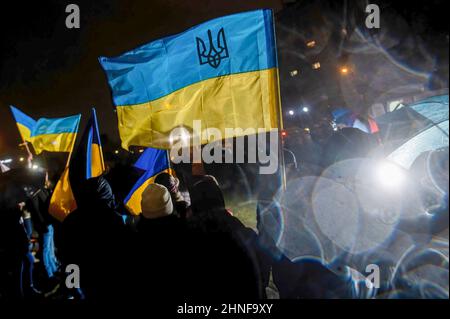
<point x="94" y="237"/>
<point x="225" y="264"/>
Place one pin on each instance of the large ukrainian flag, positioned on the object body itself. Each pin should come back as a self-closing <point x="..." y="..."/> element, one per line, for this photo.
<point x="25" y="124"/>
<point x="152" y="162"/>
<point x="223" y="72"/>
<point x="55" y="135"/>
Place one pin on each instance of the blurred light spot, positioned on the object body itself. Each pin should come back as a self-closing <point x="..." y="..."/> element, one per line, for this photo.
<point x="389" y="175"/>
<point x="311" y="44"/>
<point x="344" y="70"/>
<point x="351" y="211"/>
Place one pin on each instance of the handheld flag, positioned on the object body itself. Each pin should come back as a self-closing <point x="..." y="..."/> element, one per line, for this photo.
<point x="153" y="162"/>
<point x="223" y="72"/>
<point x="55" y="135"/>
<point x="88" y="163"/>
<point x="95" y="165"/>
<point x="62" y="202"/>
<point x="24" y="123"/>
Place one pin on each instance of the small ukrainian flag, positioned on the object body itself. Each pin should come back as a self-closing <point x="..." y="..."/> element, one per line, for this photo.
<point x="92" y="146"/>
<point x="152" y="162"/>
<point x="87" y="162"/>
<point x="55" y="135"/>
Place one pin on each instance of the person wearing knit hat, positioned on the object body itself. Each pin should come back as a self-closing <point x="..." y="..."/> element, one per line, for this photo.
<point x="160" y="242"/>
<point x="156" y="202"/>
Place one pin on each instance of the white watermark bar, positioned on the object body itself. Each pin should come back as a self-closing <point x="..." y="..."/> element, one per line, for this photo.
<point x="259" y="146"/>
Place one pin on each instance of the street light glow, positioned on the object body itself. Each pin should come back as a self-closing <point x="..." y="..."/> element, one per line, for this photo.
<point x="305" y="109"/>
<point x="344" y="70"/>
<point x="291" y="113"/>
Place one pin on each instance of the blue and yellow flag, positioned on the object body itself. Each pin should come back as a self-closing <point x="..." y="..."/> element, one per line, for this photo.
<point x="62" y="202"/>
<point x="25" y="124"/>
<point x="87" y="162"/>
<point x="152" y="162"/>
<point x="55" y="135"/>
<point x="95" y="165"/>
<point x="223" y="72"/>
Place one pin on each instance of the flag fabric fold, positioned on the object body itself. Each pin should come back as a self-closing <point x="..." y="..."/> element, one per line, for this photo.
<point x="24" y="123"/>
<point x="152" y="162"/>
<point x="223" y="72"/>
<point x="62" y="202"/>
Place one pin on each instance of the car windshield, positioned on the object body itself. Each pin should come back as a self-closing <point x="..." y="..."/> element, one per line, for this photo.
<point x="419" y="128"/>
<point x="432" y="138"/>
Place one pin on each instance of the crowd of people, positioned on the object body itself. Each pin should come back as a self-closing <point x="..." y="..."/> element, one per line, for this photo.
<point x="186" y="244"/>
<point x="183" y="245"/>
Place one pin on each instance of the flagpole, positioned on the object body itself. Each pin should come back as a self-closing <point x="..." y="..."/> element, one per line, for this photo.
<point x="73" y="142"/>
<point x="30" y="155"/>
<point x="169" y="163"/>
<point x="282" y="163"/>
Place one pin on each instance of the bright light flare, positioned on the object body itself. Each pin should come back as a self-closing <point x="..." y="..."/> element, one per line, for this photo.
<point x="389" y="175"/>
<point x="291" y="113"/>
<point x="185" y="138"/>
<point x="180" y="135"/>
<point x="305" y="109"/>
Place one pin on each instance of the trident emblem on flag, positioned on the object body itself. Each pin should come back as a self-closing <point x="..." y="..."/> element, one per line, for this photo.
<point x="215" y="55"/>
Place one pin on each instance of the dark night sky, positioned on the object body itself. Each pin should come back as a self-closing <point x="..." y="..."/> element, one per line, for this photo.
<point x="49" y="70"/>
